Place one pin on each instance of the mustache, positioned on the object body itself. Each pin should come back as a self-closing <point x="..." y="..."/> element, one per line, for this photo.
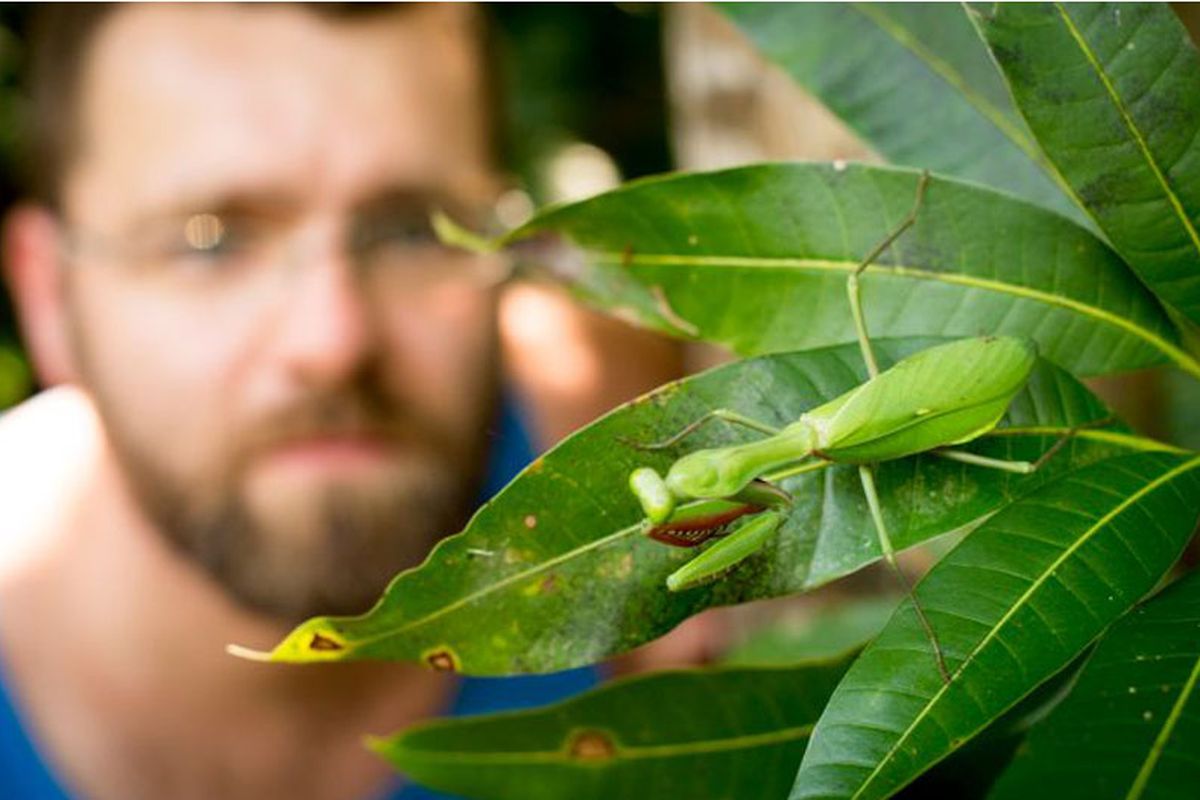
<point x="343" y="413"/>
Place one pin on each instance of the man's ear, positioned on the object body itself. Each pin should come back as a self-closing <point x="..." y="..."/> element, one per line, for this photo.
<point x="29" y="250"/>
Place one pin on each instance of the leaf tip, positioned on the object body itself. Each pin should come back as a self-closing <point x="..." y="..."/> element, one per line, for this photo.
<point x="314" y="640"/>
<point x="248" y="653"/>
<point x="376" y="744"/>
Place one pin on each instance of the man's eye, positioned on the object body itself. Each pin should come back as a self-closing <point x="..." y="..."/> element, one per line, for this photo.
<point x="211" y="239"/>
<point x="204" y="232"/>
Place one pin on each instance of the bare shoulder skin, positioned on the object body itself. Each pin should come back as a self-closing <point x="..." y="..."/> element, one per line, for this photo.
<point x="49" y="446"/>
<point x="126" y="688"/>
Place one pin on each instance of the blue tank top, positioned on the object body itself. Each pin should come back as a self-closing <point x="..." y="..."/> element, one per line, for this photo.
<point x="25" y="775"/>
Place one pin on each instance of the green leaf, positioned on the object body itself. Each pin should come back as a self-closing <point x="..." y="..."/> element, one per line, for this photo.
<point x="1011" y="605"/>
<point x="1131" y="726"/>
<point x="555" y="571"/>
<point x="971" y="770"/>
<point x="1112" y="92"/>
<point x="757" y="258"/>
<point x="728" y="732"/>
<point x="914" y="81"/>
<point x="822" y="632"/>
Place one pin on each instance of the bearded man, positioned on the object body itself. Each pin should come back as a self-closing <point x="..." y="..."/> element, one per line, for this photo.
<point x="275" y="388"/>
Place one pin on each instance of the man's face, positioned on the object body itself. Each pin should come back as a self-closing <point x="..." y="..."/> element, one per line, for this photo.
<point x="295" y="377"/>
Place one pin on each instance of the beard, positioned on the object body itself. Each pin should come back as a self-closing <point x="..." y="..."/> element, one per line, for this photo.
<point x="293" y="551"/>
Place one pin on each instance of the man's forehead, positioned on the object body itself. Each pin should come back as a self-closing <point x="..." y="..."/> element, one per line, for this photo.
<point x="189" y="102"/>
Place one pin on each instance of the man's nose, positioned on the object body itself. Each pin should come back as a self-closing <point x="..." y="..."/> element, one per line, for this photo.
<point x="325" y="331"/>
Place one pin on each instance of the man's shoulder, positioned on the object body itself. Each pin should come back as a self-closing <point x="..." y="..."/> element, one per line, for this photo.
<point x="50" y="447"/>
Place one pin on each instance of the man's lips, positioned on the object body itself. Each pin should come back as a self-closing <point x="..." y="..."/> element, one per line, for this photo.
<point x="329" y="452"/>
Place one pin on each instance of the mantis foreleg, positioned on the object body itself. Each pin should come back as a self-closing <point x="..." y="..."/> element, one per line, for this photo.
<point x="860" y="322"/>
<point x="742" y="543"/>
<point x="889" y="555"/>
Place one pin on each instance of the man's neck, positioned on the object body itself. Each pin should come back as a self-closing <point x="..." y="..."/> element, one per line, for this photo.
<point x="115" y="646"/>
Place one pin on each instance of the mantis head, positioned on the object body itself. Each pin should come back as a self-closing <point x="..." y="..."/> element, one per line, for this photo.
<point x="713" y="473"/>
<point x="652" y="492"/>
<point x="717" y="472"/>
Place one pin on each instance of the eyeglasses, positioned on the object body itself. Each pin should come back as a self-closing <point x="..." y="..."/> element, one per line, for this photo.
<point x="240" y="262"/>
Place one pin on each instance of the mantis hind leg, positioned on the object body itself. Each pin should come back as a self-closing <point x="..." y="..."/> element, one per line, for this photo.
<point x="860" y="322"/>
<point x="1023" y="467"/>
<point x="728" y="552"/>
<point x="889" y="555"/>
<point x="723" y="414"/>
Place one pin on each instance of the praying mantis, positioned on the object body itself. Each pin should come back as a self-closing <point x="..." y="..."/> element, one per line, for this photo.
<point x="930" y="401"/>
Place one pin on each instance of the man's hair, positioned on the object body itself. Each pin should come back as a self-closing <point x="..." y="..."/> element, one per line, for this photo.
<point x="60" y="38"/>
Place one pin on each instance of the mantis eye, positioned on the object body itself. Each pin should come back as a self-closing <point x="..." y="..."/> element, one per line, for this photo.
<point x="651" y="491"/>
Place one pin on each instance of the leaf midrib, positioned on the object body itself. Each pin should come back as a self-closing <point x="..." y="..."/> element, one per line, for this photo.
<point x="1160" y="742"/>
<point x="625" y="752"/>
<point x="1177" y="355"/>
<point x="517" y="577"/>
<point x="955" y="80"/>
<point x="1135" y="132"/>
<point x="993" y="632"/>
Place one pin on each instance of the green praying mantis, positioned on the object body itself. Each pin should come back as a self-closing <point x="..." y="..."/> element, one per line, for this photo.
<point x="943" y="396"/>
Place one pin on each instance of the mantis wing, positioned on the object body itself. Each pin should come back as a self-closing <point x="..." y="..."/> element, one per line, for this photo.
<point x="944" y="395"/>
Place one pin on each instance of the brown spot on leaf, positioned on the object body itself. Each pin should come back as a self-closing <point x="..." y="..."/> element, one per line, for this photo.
<point x="326" y="643"/>
<point x="530" y="521"/>
<point x="549" y="584"/>
<point x="441" y="659"/>
<point x="591" y="745"/>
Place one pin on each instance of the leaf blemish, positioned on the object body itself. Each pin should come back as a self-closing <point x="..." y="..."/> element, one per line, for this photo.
<point x="591" y="745"/>
<point x="627" y="255"/>
<point x="441" y="659"/>
<point x="325" y="643"/>
<point x="530" y="521"/>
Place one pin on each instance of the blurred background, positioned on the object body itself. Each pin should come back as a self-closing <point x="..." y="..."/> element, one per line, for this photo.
<point x="591" y="95"/>
<point x="582" y="107"/>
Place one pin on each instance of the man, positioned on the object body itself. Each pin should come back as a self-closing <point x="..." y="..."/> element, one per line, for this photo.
<point x="266" y="361"/>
